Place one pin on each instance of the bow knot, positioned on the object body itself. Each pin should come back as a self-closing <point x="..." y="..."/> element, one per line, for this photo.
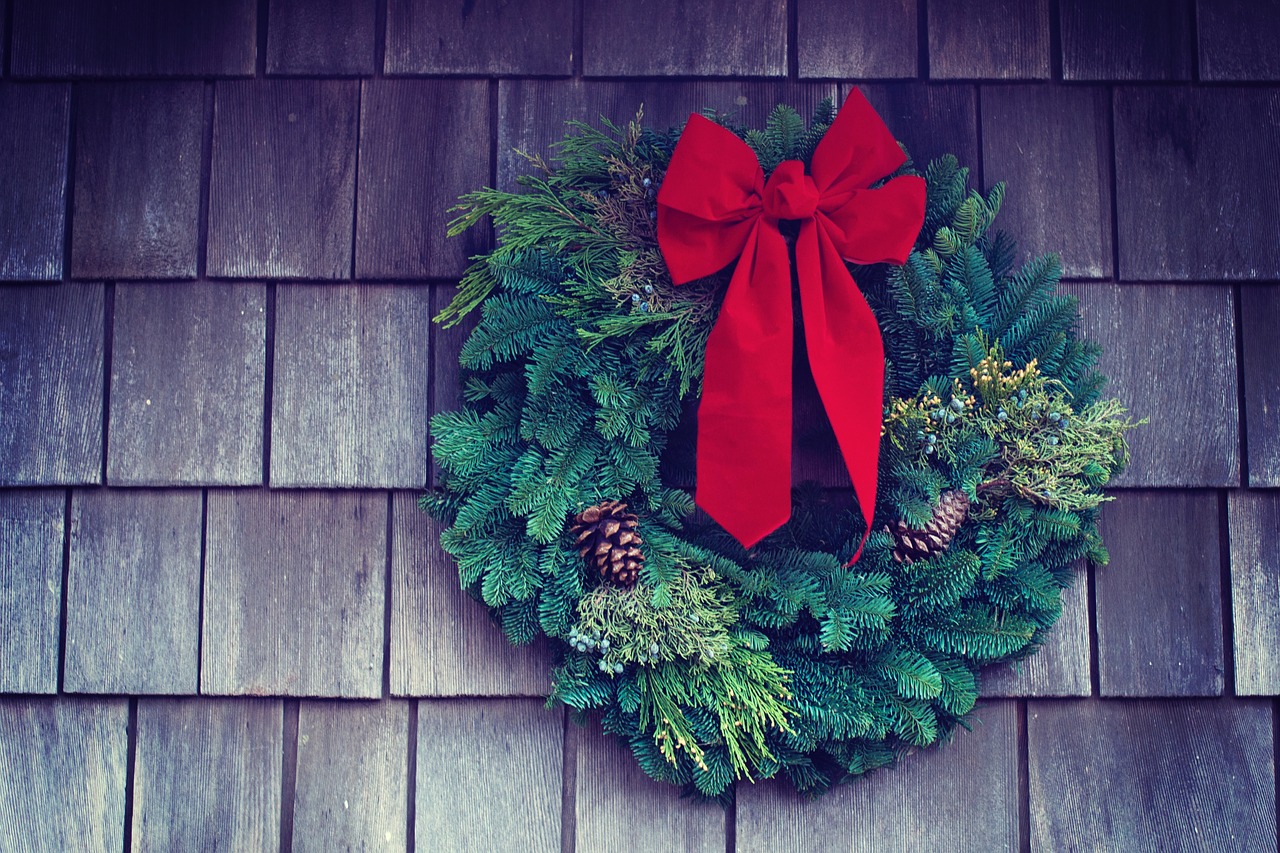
<point x="714" y="208"/>
<point x="790" y="193"/>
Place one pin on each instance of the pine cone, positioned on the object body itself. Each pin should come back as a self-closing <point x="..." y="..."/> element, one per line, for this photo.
<point x="911" y="545"/>
<point x="607" y="539"/>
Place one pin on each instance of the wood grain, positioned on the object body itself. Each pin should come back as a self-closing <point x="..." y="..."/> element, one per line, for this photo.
<point x="188" y="370"/>
<point x="423" y="143"/>
<point x="353" y="774"/>
<point x="532" y="113"/>
<point x="137" y="193"/>
<point x="1237" y="39"/>
<point x="51" y="353"/>
<point x="962" y="796"/>
<point x="480" y="37"/>
<point x="63" y="765"/>
<point x="1260" y="353"/>
<point x="1159" y="601"/>
<point x="1194" y="200"/>
<point x="282" y="191"/>
<point x="931" y="120"/>
<point x="333" y="37"/>
<point x="1175" y="776"/>
<point x="443" y="642"/>
<point x="1253" y="519"/>
<point x="133" y="592"/>
<point x="616" y="804"/>
<point x="648" y="38"/>
<point x="509" y="749"/>
<point x="989" y="39"/>
<point x="31" y="532"/>
<point x="207" y="775"/>
<point x="1142" y="40"/>
<point x="293" y="593"/>
<point x="876" y="40"/>
<point x="1052" y="147"/>
<point x="1061" y="667"/>
<point x="33" y="172"/>
<point x="133" y="38"/>
<point x="1185" y="336"/>
<point x="349" y="401"/>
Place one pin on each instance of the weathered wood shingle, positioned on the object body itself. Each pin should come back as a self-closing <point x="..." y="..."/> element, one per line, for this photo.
<point x="333" y="37"/>
<point x="137" y="192"/>
<point x="868" y="41"/>
<point x="293" y="593"/>
<point x="1253" y="520"/>
<point x="931" y="120"/>
<point x="133" y="592"/>
<point x="1186" y="776"/>
<point x="1061" y="667"/>
<point x="423" y="143"/>
<point x="479" y="37"/>
<point x="1135" y="40"/>
<point x="207" y="775"/>
<point x="1260" y="355"/>
<point x="1238" y="39"/>
<point x="1160" y="598"/>
<point x="33" y="172"/>
<point x="133" y="38"/>
<point x="443" y="643"/>
<point x="282" y="191"/>
<point x="32" y="523"/>
<point x="349" y="400"/>
<point x="352" y="776"/>
<point x="1169" y="351"/>
<point x="1197" y="197"/>
<point x="1000" y="39"/>
<point x="960" y="797"/>
<point x="1052" y="147"/>
<point x="187" y="384"/>
<point x="51" y="355"/>
<point x="63" y="765"/>
<point x="649" y="38"/>
<point x="489" y="775"/>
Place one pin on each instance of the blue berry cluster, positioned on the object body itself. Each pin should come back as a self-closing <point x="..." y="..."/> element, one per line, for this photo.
<point x="639" y="301"/>
<point x="593" y="643"/>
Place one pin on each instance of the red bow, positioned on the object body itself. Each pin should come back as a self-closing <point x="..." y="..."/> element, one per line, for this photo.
<point x="714" y="207"/>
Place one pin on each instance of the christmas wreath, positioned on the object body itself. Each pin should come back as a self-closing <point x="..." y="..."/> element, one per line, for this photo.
<point x="645" y="290"/>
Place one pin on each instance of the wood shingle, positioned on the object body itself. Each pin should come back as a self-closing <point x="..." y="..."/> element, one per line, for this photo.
<point x="63" y="766"/>
<point x="481" y="37"/>
<point x="1052" y="147"/>
<point x="1260" y="356"/>
<point x="187" y="384"/>
<point x="1159" y="600"/>
<point x="1061" y="666"/>
<point x="1135" y="40"/>
<point x="333" y="37"/>
<point x="133" y="38"/>
<point x="32" y="525"/>
<point x="876" y="40"/>
<point x="282" y="189"/>
<point x="352" y="776"/>
<point x="1187" y="776"/>
<point x="293" y="593"/>
<point x="1196" y="198"/>
<point x="931" y="120"/>
<point x="1253" y="519"/>
<point x="989" y="39"/>
<point x="133" y="592"/>
<point x="207" y="774"/>
<point x="349" y="398"/>
<point x="423" y="143"/>
<point x="626" y="38"/>
<point x="33" y="171"/>
<point x="137" y="193"/>
<point x="1238" y="39"/>
<point x="51" y="338"/>
<point x="512" y="750"/>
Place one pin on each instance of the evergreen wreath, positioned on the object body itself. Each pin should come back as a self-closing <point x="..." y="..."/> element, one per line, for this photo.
<point x="565" y="474"/>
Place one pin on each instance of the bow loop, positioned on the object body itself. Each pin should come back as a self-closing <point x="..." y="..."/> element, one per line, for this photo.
<point x="714" y="207"/>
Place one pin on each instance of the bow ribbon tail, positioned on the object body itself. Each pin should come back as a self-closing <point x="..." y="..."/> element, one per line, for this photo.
<point x="744" y="419"/>
<point x="846" y="356"/>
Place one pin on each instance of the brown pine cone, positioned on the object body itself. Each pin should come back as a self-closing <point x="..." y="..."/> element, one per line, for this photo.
<point x="607" y="538"/>
<point x="912" y="544"/>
